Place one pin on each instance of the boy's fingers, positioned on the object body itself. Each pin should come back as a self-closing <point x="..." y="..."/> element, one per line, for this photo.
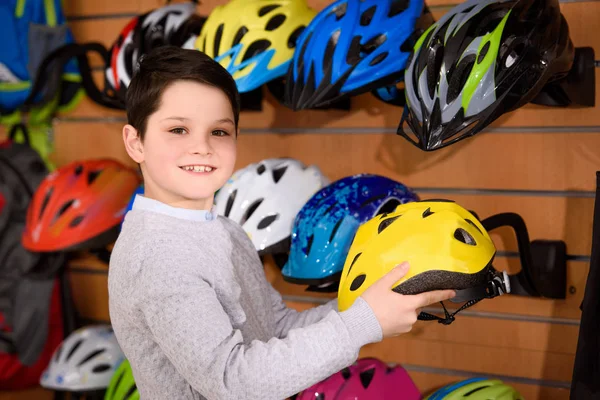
<point x="395" y="274"/>
<point x="435" y="296"/>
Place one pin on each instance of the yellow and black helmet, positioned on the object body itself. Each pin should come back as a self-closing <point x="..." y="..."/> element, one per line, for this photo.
<point x="445" y="244"/>
<point x="254" y="39"/>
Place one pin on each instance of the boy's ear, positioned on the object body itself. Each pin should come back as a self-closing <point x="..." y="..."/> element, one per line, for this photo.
<point x="133" y="143"/>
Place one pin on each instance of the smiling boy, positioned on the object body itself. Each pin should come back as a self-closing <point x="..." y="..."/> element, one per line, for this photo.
<point x="188" y="298"/>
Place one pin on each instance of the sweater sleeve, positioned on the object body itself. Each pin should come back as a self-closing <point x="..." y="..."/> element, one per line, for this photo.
<point x="287" y="318"/>
<point x="189" y="324"/>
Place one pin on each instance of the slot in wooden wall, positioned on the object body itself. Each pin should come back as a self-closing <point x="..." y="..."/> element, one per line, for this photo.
<point x="537" y="161"/>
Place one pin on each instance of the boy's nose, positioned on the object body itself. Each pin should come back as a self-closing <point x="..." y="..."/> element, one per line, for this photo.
<point x="200" y="146"/>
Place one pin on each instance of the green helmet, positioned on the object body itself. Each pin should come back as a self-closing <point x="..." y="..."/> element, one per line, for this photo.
<point x="122" y="386"/>
<point x="476" y="389"/>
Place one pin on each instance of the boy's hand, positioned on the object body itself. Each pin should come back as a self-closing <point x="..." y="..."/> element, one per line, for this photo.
<point x="395" y="312"/>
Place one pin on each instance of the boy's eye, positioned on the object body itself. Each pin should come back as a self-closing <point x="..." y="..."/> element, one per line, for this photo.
<point x="219" y="132"/>
<point x="177" y="131"/>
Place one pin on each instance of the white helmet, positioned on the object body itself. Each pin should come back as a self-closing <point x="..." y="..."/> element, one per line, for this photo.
<point x="84" y="361"/>
<point x="265" y="197"/>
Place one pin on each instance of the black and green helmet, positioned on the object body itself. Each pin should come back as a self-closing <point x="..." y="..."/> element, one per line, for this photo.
<point x="480" y="60"/>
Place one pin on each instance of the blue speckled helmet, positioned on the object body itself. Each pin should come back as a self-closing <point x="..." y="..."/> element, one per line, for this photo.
<point x="325" y="226"/>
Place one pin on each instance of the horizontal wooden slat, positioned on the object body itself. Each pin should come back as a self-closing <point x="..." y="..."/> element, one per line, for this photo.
<point x="522" y="335"/>
<point x="37" y="393"/>
<point x="90" y="295"/>
<point x="76" y="8"/>
<point x="513" y="161"/>
<point x="469" y="357"/>
<point x="429" y="382"/>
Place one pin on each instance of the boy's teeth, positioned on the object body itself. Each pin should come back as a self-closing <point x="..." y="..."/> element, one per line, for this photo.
<point x="198" y="168"/>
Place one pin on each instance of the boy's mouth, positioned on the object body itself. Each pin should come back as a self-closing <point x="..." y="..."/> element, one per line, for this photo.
<point x="198" y="168"/>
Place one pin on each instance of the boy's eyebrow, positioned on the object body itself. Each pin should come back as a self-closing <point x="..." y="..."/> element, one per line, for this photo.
<point x="182" y="119"/>
<point x="223" y="120"/>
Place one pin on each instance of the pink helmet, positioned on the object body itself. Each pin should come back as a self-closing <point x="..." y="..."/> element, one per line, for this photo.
<point x="368" y="378"/>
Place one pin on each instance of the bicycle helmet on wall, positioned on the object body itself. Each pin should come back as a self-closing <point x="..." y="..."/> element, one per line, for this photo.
<point x="367" y="378"/>
<point x="122" y="385"/>
<point x="326" y="224"/>
<point x="79" y="206"/>
<point x="172" y="24"/>
<point x="351" y="47"/>
<point x="254" y="39"/>
<point x="482" y="59"/>
<point x="445" y="245"/>
<point x="85" y="361"/>
<point x="476" y="389"/>
<point x="265" y="197"/>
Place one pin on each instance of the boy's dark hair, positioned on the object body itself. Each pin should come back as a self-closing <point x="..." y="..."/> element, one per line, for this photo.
<point x="165" y="65"/>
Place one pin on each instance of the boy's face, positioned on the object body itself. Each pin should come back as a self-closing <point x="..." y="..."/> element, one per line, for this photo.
<point x="189" y="148"/>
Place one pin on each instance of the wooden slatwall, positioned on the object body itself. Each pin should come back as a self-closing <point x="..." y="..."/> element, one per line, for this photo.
<point x="539" y="162"/>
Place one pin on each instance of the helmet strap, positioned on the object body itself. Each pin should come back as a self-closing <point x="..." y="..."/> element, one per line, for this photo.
<point x="498" y="285"/>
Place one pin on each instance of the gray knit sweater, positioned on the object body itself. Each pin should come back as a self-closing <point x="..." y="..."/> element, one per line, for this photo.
<point x="194" y="314"/>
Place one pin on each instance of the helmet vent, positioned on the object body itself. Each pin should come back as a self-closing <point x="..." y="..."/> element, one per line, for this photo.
<point x="239" y="35"/>
<point x="131" y="391"/>
<point x="309" y="244"/>
<point x="367" y="15"/>
<point x="275" y="22"/>
<point x="90" y="356"/>
<point x="483" y="52"/>
<point x="78" y="169"/>
<point x="101" y="368"/>
<point x="76" y="221"/>
<point x="473" y="223"/>
<point x="119" y="379"/>
<point x="385" y="223"/>
<point x="57" y="355"/>
<point x="434" y="65"/>
<point x="250" y="211"/>
<point x="73" y="349"/>
<point x="217" y="42"/>
<point x="340" y="11"/>
<point x="256" y="48"/>
<point x="427" y="212"/>
<point x="458" y="77"/>
<point x="357" y="282"/>
<point x="334" y="230"/>
<point x="465" y="237"/>
<point x="372" y="200"/>
<point x="63" y="209"/>
<point x="346" y="373"/>
<point x="267" y="9"/>
<point x="475" y="390"/>
<point x="278" y="173"/>
<point x="230" y="201"/>
<point x="294" y="37"/>
<point x="366" y="377"/>
<point x="266" y="221"/>
<point x="378" y="58"/>
<point x="45" y="202"/>
<point x="397" y="7"/>
<point x="261" y="168"/>
<point x="92" y="175"/>
<point x="353" y="261"/>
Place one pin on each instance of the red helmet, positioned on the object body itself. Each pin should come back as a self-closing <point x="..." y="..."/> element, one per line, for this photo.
<point x="79" y="206"/>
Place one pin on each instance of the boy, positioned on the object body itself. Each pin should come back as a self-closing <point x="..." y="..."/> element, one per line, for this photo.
<point x="189" y="301"/>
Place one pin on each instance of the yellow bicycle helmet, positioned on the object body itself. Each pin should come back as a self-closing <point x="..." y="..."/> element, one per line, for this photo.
<point x="445" y="245"/>
<point x="254" y="39"/>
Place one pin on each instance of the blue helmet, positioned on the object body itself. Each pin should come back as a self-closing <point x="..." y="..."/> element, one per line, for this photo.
<point x="325" y="226"/>
<point x="352" y="47"/>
